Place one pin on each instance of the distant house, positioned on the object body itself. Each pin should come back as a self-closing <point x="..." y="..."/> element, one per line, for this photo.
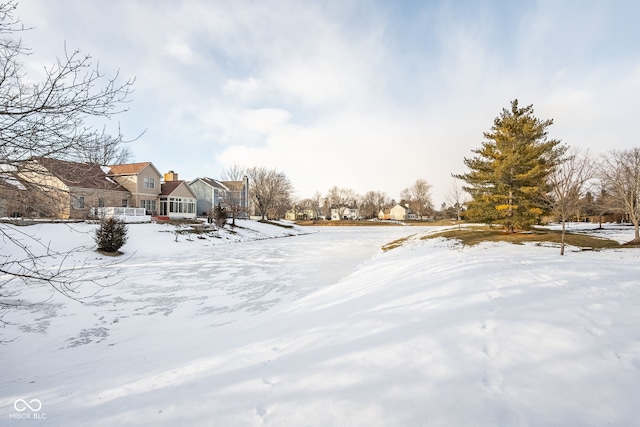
<point x="344" y="213"/>
<point x="384" y="214"/>
<point x="177" y="201"/>
<point x="299" y="213"/>
<point x="64" y="189"/>
<point x="399" y="213"/>
<point x="229" y="194"/>
<point x="142" y="180"/>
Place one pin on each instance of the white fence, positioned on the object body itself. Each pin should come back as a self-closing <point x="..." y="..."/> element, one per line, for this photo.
<point x="123" y="214"/>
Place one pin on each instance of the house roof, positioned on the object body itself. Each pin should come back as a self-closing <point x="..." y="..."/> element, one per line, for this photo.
<point x="401" y="206"/>
<point x="213" y="182"/>
<point x="80" y="175"/>
<point x="169" y="187"/>
<point x="166" y="188"/>
<point x="130" y="168"/>
<point x="223" y="185"/>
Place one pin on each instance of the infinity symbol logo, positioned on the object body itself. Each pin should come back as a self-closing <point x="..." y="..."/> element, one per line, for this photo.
<point x="22" y="405"/>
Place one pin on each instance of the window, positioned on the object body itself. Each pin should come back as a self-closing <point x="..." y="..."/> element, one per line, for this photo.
<point x="180" y="205"/>
<point x="78" y="202"/>
<point x="125" y="203"/>
<point x="100" y="202"/>
<point x="149" y="205"/>
<point x="149" y="182"/>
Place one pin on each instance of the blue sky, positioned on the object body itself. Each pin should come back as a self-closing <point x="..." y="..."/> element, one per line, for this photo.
<point x="368" y="95"/>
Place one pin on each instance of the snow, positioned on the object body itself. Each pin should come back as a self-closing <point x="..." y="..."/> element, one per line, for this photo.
<point x="323" y="328"/>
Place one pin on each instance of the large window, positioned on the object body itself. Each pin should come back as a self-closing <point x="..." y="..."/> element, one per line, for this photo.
<point x="179" y="205"/>
<point x="149" y="182"/>
<point x="149" y="205"/>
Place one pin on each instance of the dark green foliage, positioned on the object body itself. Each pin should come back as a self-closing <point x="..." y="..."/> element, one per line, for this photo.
<point x="220" y="216"/>
<point x="111" y="235"/>
<point x="508" y="178"/>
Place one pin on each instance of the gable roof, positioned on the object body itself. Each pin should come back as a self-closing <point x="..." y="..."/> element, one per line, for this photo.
<point x="80" y="175"/>
<point x="211" y="182"/>
<point x="130" y="168"/>
<point x="169" y="187"/>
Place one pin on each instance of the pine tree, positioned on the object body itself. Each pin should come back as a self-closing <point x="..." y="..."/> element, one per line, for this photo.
<point x="508" y="178"/>
<point x="220" y="216"/>
<point x="111" y="235"/>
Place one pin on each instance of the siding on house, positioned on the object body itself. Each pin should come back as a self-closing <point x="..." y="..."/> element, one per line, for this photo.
<point x="211" y="192"/>
<point x="142" y="180"/>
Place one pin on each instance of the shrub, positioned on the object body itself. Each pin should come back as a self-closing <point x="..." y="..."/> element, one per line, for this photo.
<point x="111" y="235"/>
<point x="220" y="216"/>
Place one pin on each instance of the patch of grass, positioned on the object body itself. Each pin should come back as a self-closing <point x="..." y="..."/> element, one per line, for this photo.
<point x="396" y="243"/>
<point x="266" y="221"/>
<point x="471" y="236"/>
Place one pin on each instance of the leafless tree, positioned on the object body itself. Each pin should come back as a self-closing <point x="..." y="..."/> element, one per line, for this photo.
<point x="268" y="189"/>
<point x="233" y="197"/>
<point x="406" y="195"/>
<point x="421" y="196"/>
<point x="620" y="172"/>
<point x="568" y="185"/>
<point x="455" y="197"/>
<point x="103" y="149"/>
<point x="373" y="202"/>
<point x="233" y="173"/>
<point x="47" y="119"/>
<point x="600" y="202"/>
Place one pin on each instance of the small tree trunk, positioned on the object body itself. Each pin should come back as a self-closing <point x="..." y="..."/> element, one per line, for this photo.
<point x="562" y="238"/>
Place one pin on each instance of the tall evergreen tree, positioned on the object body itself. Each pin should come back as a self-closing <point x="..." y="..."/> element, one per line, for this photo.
<point x="508" y="178"/>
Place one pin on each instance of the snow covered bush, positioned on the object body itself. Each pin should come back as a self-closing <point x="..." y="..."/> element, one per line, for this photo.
<point x="111" y="235"/>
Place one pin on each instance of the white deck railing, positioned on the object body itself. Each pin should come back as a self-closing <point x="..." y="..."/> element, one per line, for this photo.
<point x="123" y="214"/>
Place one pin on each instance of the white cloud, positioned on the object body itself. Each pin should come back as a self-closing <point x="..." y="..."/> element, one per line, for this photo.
<point x="243" y="90"/>
<point x="180" y="50"/>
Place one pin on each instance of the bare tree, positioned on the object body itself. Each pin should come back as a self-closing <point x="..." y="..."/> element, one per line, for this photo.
<point x="268" y="189"/>
<point x="103" y="149"/>
<point x="603" y="202"/>
<point x="233" y="197"/>
<point x="373" y="202"/>
<point x="47" y="119"/>
<point x="620" y="172"/>
<point x="568" y="184"/>
<point x="317" y="202"/>
<point x="455" y="197"/>
<point x="233" y="173"/>
<point x="421" y="197"/>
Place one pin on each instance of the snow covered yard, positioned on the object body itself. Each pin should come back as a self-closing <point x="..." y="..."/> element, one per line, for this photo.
<point x="325" y="329"/>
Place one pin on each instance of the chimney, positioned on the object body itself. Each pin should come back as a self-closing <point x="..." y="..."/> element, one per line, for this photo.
<point x="170" y="176"/>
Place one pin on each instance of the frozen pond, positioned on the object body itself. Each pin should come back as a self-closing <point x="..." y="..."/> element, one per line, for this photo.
<point x="223" y="282"/>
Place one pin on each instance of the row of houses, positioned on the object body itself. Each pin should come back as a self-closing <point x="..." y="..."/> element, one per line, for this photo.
<point x="399" y="212"/>
<point x="55" y="188"/>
